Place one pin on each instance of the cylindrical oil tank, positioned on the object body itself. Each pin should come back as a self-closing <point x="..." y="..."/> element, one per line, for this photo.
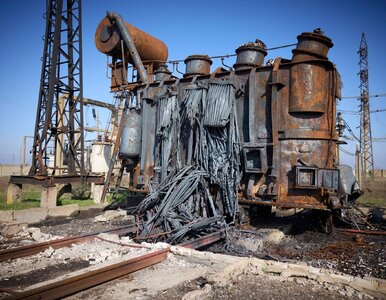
<point x="309" y="82"/>
<point x="150" y="49"/>
<point x="250" y="55"/>
<point x="312" y="45"/>
<point x="308" y="88"/>
<point x="197" y="64"/>
<point x="162" y="73"/>
<point x="131" y="134"/>
<point x="100" y="157"/>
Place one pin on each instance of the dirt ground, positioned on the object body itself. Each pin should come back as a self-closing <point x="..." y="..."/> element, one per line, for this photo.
<point x="251" y="286"/>
<point x="299" y="242"/>
<point x="357" y="255"/>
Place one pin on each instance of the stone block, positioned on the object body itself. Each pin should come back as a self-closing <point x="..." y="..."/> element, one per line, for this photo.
<point x="63" y="211"/>
<point x="250" y="244"/>
<point x="361" y="284"/>
<point x="13" y="193"/>
<point x="109" y="215"/>
<point x="32" y="215"/>
<point x="11" y="228"/>
<point x="6" y="215"/>
<point x="48" y="196"/>
<point x="96" y="193"/>
<point x="296" y="271"/>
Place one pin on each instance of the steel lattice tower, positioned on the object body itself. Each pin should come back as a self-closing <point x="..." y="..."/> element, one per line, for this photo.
<point x="366" y="147"/>
<point x="59" y="118"/>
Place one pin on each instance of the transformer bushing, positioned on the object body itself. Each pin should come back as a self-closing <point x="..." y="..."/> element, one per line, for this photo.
<point x="312" y="45"/>
<point x="197" y="65"/>
<point x="162" y="73"/>
<point x="250" y="55"/>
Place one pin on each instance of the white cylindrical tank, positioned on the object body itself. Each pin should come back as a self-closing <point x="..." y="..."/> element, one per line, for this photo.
<point x="100" y="157"/>
<point x="131" y="134"/>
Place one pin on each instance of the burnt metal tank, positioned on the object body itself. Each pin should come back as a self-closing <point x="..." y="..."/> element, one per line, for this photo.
<point x="197" y="64"/>
<point x="308" y="80"/>
<point x="131" y="134"/>
<point x="162" y="73"/>
<point x="250" y="55"/>
<point x="150" y="49"/>
<point x="312" y="45"/>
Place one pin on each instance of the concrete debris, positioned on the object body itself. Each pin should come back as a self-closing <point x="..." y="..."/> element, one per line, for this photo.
<point x="269" y="235"/>
<point x="109" y="215"/>
<point x="373" y="287"/>
<point x="32" y="229"/>
<point x="126" y="240"/>
<point x="199" y="294"/>
<point x="37" y="235"/>
<point x="8" y="229"/>
<point x="48" y="252"/>
<point x="109" y="237"/>
<point x="250" y="244"/>
<point x="98" y="251"/>
<point x="156" y="246"/>
<point x="25" y="242"/>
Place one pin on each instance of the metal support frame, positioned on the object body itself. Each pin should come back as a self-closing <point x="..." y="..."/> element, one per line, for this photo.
<point x="366" y="145"/>
<point x="60" y="131"/>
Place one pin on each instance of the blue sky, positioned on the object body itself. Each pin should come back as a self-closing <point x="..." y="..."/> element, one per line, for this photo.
<point x="191" y="27"/>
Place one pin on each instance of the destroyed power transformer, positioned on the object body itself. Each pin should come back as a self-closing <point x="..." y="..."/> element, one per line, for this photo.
<point x="259" y="133"/>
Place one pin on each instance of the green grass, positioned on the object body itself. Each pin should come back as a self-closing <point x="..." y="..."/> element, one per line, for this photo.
<point x="376" y="196"/>
<point x="31" y="199"/>
<point x="80" y="202"/>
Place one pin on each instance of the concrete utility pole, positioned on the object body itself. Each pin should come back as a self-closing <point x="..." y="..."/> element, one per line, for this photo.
<point x="366" y="145"/>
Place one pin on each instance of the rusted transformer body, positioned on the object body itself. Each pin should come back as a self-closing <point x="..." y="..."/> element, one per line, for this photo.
<point x="283" y="115"/>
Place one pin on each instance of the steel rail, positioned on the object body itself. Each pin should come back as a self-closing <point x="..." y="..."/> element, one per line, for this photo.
<point x="77" y="283"/>
<point x="84" y="281"/>
<point x="359" y="231"/>
<point x="204" y="240"/>
<point x="59" y="243"/>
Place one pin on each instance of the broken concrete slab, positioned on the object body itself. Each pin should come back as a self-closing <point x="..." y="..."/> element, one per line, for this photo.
<point x="374" y="287"/>
<point x="63" y="211"/>
<point x="109" y="215"/>
<point x="12" y="228"/>
<point x="30" y="216"/>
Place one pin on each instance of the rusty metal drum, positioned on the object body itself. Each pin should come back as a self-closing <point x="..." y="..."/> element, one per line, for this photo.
<point x="150" y="49"/>
<point x="308" y="89"/>
<point x="312" y="45"/>
<point x="250" y="55"/>
<point x="197" y="65"/>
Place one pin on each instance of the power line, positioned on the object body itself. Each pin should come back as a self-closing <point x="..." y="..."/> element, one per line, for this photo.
<point x="345" y="151"/>
<point x="359" y="97"/>
<point x="353" y="112"/>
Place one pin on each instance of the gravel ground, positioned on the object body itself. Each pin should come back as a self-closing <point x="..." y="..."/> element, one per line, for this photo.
<point x="298" y="241"/>
<point x="249" y="286"/>
<point x="357" y="255"/>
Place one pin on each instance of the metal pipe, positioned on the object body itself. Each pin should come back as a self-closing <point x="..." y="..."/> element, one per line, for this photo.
<point x="114" y="17"/>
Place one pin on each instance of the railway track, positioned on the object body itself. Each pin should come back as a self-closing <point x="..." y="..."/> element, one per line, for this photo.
<point x="59" y="243"/>
<point x="76" y="283"/>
